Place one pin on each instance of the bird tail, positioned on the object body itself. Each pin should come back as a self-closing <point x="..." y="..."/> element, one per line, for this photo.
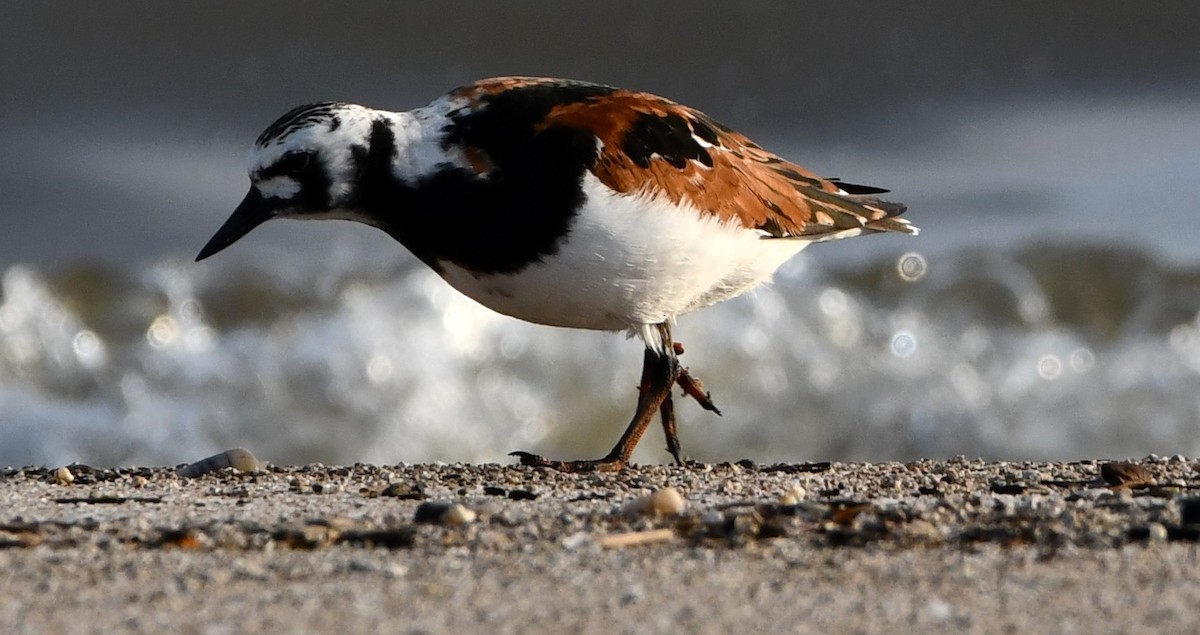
<point x="885" y="216"/>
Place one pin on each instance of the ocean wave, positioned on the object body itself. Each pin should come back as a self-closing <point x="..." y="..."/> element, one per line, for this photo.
<point x="1054" y="351"/>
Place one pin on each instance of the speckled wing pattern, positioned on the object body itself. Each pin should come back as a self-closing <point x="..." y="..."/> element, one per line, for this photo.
<point x="651" y="145"/>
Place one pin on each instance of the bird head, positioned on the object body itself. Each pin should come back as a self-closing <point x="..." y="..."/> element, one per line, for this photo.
<point x="302" y="166"/>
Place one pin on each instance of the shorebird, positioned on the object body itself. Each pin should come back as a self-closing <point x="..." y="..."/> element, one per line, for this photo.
<point x="562" y="203"/>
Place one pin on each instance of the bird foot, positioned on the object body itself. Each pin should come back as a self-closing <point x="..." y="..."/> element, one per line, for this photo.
<point x="606" y="464"/>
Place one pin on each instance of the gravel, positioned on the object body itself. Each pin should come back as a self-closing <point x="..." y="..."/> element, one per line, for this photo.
<point x="953" y="546"/>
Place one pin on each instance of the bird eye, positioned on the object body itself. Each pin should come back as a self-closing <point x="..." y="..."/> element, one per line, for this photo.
<point x="294" y="162"/>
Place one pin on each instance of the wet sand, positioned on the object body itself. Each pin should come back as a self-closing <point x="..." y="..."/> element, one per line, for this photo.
<point x="955" y="547"/>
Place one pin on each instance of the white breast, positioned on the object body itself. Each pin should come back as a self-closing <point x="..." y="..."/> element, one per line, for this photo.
<point x="630" y="261"/>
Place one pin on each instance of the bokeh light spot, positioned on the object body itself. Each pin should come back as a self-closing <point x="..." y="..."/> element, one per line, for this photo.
<point x="911" y="266"/>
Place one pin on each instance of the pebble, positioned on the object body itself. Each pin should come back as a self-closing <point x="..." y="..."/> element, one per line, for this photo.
<point x="239" y="459"/>
<point x="389" y="570"/>
<point x="1189" y="511"/>
<point x="712" y="518"/>
<point x="431" y="512"/>
<point x="633" y="594"/>
<point x="576" y="540"/>
<point x="1120" y="473"/>
<point x="404" y="491"/>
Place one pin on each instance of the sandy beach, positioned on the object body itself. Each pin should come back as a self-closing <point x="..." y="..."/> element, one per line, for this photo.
<point x="956" y="547"/>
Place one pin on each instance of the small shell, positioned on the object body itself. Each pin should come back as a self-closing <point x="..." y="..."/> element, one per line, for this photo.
<point x="239" y="459"/>
<point x="444" y="513"/>
<point x="459" y="515"/>
<point x="63" y="476"/>
<point x="659" y="503"/>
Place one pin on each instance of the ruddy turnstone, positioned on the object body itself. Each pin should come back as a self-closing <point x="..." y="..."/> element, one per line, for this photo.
<point x="562" y="203"/>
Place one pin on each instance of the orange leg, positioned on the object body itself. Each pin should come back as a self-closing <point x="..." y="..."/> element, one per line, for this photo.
<point x="667" y="412"/>
<point x="660" y="372"/>
<point x="691" y="388"/>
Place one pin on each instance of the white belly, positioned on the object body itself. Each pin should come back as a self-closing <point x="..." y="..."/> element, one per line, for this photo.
<point x="630" y="261"/>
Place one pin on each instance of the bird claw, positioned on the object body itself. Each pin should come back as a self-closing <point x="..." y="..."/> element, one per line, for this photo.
<point x="606" y="464"/>
<point x="674" y="448"/>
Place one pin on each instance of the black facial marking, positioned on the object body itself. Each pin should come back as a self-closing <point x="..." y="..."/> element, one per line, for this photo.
<point x="669" y="137"/>
<point x="306" y="169"/>
<point x="293" y="163"/>
<point x="297" y="118"/>
<point x="375" y="182"/>
<point x="335" y="122"/>
<point x="511" y="219"/>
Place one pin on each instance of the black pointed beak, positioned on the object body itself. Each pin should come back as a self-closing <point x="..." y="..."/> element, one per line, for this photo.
<point x="252" y="212"/>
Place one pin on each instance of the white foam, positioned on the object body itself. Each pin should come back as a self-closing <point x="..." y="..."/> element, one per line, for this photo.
<point x="348" y="361"/>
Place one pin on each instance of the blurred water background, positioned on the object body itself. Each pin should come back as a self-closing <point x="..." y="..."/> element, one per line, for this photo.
<point x="1050" y="152"/>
